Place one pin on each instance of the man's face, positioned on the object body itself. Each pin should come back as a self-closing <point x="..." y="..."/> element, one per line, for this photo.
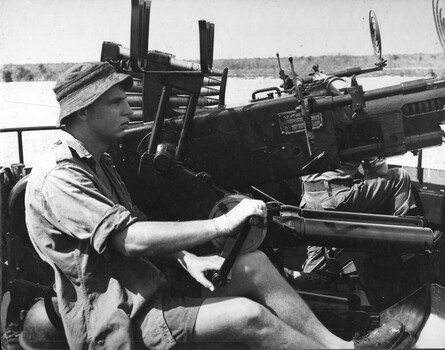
<point x="109" y="115"/>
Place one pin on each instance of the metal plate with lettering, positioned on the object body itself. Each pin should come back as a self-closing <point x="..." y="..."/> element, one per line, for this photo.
<point x="292" y="122"/>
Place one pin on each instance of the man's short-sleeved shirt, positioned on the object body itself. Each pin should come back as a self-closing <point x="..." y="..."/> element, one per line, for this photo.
<point x="71" y="214"/>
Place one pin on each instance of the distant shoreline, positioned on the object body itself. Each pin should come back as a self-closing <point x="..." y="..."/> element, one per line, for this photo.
<point x="401" y="65"/>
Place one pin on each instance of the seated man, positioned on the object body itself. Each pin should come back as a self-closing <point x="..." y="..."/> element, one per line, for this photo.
<point x="379" y="191"/>
<point x="82" y="222"/>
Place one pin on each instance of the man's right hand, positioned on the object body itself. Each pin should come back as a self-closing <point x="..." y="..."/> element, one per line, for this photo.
<point x="235" y="218"/>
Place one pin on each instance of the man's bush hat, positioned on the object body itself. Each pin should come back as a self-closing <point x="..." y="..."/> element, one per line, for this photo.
<point x="84" y="83"/>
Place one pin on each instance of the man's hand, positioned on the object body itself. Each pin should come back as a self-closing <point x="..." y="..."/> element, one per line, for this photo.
<point x="233" y="221"/>
<point x="196" y="266"/>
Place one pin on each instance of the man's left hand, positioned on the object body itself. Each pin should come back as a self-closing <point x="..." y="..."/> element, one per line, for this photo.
<point x="196" y="266"/>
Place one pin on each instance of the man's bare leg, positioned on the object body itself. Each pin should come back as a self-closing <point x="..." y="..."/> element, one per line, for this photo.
<point x="254" y="277"/>
<point x="242" y="320"/>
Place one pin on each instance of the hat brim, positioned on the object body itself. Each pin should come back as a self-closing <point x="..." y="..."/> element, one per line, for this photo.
<point x="86" y="95"/>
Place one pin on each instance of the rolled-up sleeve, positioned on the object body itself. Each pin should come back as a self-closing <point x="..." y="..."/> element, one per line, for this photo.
<point x="76" y="207"/>
<point x="114" y="220"/>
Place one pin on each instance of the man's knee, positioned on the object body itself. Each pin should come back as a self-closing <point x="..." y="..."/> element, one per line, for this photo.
<point x="254" y="262"/>
<point x="253" y="317"/>
<point x="236" y="313"/>
<point x="235" y="318"/>
<point x="399" y="174"/>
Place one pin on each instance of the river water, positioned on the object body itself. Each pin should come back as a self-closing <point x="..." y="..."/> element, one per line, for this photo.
<point x="34" y="104"/>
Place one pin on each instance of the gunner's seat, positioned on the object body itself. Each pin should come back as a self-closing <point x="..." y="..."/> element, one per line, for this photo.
<point x="30" y="282"/>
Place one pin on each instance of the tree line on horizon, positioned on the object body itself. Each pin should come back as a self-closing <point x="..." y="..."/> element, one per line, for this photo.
<point x="406" y="64"/>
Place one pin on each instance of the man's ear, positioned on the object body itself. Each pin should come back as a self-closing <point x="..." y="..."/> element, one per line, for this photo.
<point x="82" y="114"/>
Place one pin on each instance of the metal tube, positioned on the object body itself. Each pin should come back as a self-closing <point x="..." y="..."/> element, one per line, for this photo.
<point x="186" y="128"/>
<point x="175" y="101"/>
<point x="419" y="167"/>
<point x="134" y="100"/>
<point x="159" y="120"/>
<point x="205" y="91"/>
<point x="137" y="128"/>
<point x="324" y="298"/>
<point x="30" y="128"/>
<point x="362" y="236"/>
<point x="360" y="217"/>
<point x="368" y="236"/>
<point x="319" y="105"/>
<point x="20" y="144"/>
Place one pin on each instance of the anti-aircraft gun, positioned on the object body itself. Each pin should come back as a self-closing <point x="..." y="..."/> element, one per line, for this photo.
<point x="188" y="156"/>
<point x="196" y="162"/>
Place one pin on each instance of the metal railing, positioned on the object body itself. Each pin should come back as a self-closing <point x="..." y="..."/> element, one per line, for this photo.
<point x="19" y="131"/>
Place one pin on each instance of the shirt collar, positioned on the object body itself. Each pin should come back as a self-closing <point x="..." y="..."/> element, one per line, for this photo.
<point x="81" y="151"/>
<point x="76" y="145"/>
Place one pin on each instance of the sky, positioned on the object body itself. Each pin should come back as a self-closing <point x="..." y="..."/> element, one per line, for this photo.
<point x="51" y="31"/>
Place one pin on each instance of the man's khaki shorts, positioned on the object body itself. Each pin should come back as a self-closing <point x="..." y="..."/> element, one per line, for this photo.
<point x="166" y="321"/>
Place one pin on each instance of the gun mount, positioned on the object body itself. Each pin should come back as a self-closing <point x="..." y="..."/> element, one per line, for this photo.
<point x="305" y="130"/>
<point x="188" y="156"/>
<point x="192" y="162"/>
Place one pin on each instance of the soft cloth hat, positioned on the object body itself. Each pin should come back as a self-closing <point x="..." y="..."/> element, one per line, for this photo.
<point x="84" y="83"/>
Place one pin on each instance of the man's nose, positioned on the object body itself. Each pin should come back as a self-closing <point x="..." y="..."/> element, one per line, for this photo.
<point x="128" y="112"/>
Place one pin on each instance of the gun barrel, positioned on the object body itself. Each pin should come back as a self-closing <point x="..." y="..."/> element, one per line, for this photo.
<point x="278" y="59"/>
<point x="357" y="235"/>
<point x="406" y="88"/>
<point x="360" y="217"/>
